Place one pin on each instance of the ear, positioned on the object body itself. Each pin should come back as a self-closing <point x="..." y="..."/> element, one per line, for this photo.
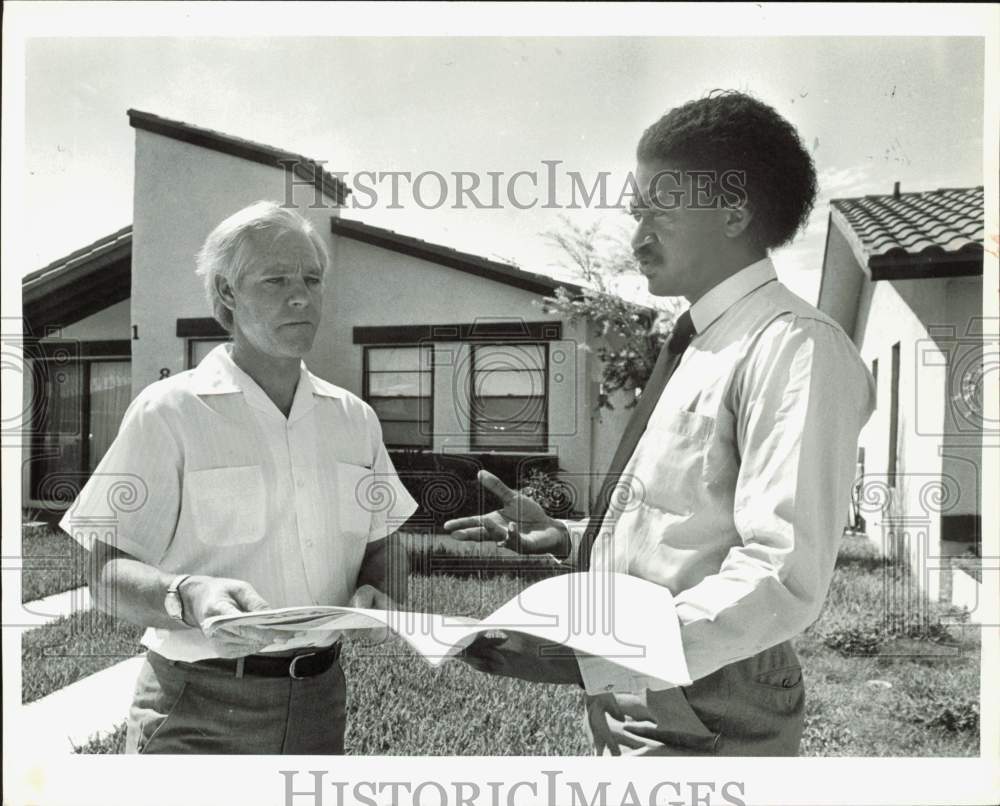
<point x="225" y="291"/>
<point x="736" y="220"/>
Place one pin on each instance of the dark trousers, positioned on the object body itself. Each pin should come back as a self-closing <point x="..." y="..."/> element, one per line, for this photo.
<point x="753" y="707"/>
<point x="183" y="708"/>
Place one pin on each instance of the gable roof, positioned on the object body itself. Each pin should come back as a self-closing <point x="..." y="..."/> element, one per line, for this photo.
<point x="937" y="233"/>
<point x="446" y="256"/>
<point x="307" y="169"/>
<point x="80" y="284"/>
<point x="100" y="274"/>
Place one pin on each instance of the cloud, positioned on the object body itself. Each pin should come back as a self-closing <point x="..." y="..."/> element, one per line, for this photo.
<point x="835" y="181"/>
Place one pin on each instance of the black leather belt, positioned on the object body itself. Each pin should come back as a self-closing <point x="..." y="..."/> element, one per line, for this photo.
<point x="297" y="667"/>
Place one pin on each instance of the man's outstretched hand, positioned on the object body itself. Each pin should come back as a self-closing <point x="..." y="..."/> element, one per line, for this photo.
<point x="520" y="524"/>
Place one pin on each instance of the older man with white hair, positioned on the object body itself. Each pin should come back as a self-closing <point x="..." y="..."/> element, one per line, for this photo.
<point x="250" y="472"/>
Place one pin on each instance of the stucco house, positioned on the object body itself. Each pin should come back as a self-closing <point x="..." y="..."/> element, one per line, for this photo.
<point x="454" y="351"/>
<point x="902" y="274"/>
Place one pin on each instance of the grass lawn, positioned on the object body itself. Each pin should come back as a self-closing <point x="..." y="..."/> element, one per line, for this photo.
<point x="398" y="705"/>
<point x="912" y="690"/>
<point x="53" y="562"/>
<point x="873" y="691"/>
<point x="71" y="648"/>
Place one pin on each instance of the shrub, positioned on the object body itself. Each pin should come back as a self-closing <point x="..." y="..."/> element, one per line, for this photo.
<point x="445" y="486"/>
<point x="854" y="640"/>
<point x="959" y="716"/>
<point x="555" y="497"/>
<point x="943" y="709"/>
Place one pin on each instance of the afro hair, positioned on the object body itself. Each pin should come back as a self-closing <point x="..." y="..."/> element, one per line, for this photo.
<point x="732" y="131"/>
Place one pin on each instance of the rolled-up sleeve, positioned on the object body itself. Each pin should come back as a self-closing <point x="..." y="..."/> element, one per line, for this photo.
<point x="132" y="499"/>
<point x="390" y="501"/>
<point x="799" y="406"/>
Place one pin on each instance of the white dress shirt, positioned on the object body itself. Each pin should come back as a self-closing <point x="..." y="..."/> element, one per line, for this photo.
<point x="207" y="476"/>
<point x="741" y="477"/>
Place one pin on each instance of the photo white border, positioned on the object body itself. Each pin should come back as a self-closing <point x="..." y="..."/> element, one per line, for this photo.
<point x="103" y="780"/>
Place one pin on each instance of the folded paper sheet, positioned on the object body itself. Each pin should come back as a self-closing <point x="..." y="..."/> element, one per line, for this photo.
<point x="621" y="618"/>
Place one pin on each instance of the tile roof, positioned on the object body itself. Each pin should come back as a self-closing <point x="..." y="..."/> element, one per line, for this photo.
<point x="915" y="230"/>
<point x="305" y="168"/>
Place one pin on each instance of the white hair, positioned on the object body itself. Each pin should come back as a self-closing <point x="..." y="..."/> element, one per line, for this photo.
<point x="231" y="246"/>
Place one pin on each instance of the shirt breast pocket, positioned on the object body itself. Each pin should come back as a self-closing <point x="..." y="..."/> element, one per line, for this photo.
<point x="227" y="504"/>
<point x="359" y="497"/>
<point x="671" y="459"/>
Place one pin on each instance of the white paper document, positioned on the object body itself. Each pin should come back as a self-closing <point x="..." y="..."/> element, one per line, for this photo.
<point x="621" y="618"/>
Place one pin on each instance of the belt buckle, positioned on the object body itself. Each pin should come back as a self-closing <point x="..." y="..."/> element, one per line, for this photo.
<point x="295" y="660"/>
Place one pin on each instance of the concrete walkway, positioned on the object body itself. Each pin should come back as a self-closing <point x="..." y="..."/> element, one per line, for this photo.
<point x="89" y="708"/>
<point x="52" y="608"/>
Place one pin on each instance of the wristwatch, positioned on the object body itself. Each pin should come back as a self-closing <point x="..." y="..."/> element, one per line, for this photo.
<point x="173" y="603"/>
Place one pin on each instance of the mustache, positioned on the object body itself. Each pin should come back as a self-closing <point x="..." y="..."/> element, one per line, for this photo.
<point x="644" y="250"/>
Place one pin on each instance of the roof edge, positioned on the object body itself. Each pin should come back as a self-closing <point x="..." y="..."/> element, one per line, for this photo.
<point x="857" y="248"/>
<point x="905" y="194"/>
<point x="449" y="257"/>
<point x="96" y="250"/>
<point x="307" y="169"/>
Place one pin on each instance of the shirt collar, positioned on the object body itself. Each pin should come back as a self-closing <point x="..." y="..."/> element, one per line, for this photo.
<point x="730" y="291"/>
<point x="217" y="374"/>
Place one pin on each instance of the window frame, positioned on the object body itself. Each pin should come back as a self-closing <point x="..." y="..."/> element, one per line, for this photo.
<point x="367" y="396"/>
<point x="190" y="341"/>
<point x="37" y="437"/>
<point x="516" y="449"/>
<point x="892" y="469"/>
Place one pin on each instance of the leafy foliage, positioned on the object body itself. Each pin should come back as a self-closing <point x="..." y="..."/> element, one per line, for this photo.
<point x="854" y="640"/>
<point x="631" y="340"/>
<point x="630" y="335"/>
<point x="445" y="485"/>
<point x="950" y="711"/>
<point x="549" y="492"/>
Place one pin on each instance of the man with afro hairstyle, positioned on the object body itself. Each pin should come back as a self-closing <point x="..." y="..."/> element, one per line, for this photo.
<point x="739" y="456"/>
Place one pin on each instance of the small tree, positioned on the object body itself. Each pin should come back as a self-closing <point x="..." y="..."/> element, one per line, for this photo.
<point x="631" y="335"/>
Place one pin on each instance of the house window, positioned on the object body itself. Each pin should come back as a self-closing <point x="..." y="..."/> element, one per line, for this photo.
<point x="893" y="416"/>
<point x="509" y="397"/>
<point x="198" y="348"/>
<point x="78" y="409"/>
<point x="398" y="384"/>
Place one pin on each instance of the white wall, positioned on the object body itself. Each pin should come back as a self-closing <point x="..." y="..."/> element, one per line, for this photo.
<point x="372" y="287"/>
<point x="901" y="311"/>
<point x="842" y="281"/>
<point x="112" y="323"/>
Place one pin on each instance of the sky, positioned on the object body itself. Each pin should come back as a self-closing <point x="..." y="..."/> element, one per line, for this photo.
<point x="871" y="110"/>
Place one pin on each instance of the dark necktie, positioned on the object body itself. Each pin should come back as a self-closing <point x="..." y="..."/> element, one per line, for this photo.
<point x="666" y="363"/>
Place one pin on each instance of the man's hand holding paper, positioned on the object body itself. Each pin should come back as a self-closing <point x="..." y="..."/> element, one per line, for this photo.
<point x="207" y="597"/>
<point x="516" y="654"/>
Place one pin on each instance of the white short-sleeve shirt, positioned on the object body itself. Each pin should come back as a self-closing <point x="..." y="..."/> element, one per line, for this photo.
<point x="207" y="476"/>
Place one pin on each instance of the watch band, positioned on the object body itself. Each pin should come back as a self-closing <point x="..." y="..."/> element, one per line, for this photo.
<point x="173" y="591"/>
